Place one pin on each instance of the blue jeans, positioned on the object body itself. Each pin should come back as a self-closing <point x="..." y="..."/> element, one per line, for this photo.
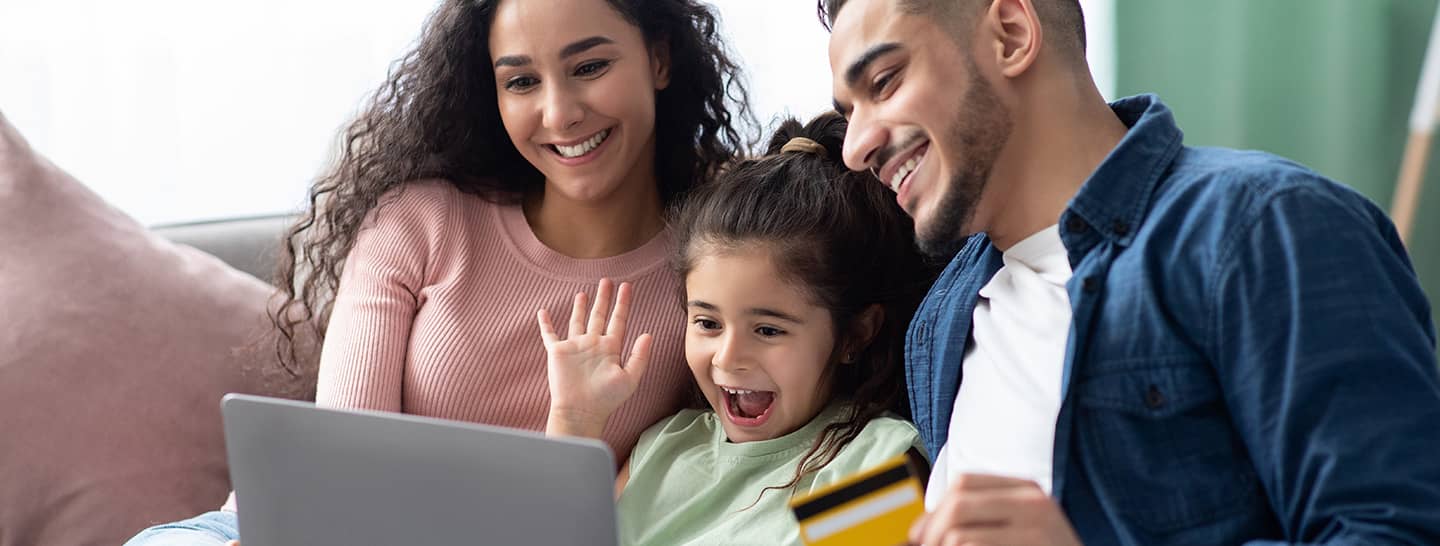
<point x="208" y="529"/>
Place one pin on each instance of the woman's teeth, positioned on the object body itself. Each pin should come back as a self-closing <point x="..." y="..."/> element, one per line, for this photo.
<point x="902" y="173"/>
<point x="583" y="147"/>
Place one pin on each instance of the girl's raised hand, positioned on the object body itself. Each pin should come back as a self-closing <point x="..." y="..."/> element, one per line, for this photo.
<point x="587" y="379"/>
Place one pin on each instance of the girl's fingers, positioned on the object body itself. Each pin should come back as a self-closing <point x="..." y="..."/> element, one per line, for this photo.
<point x="621" y="314"/>
<point x="639" y="357"/>
<point x="577" y="316"/>
<point x="547" y="329"/>
<point x="604" y="294"/>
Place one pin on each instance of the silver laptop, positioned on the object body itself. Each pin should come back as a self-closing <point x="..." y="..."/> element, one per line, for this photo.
<point x="319" y="477"/>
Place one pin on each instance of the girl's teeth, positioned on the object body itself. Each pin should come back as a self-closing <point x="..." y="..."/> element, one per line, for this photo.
<point x="583" y="147"/>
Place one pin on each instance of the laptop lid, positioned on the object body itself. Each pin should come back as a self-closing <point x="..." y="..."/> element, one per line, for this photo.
<point x="313" y="476"/>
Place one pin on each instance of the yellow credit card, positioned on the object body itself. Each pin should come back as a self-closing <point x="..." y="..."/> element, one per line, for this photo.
<point x="874" y="507"/>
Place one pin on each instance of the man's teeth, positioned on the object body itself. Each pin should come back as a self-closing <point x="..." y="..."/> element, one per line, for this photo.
<point x="736" y="391"/>
<point x="902" y="173"/>
<point x="583" y="147"/>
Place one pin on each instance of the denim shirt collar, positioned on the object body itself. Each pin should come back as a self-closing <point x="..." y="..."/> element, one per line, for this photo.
<point x="1116" y="197"/>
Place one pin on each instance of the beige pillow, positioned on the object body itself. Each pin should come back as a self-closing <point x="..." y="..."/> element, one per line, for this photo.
<point x="115" y="348"/>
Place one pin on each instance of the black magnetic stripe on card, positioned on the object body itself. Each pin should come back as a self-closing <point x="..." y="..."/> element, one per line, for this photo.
<point x="851" y="492"/>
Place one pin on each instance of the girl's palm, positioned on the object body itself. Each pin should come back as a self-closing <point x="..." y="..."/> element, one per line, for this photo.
<point x="587" y="375"/>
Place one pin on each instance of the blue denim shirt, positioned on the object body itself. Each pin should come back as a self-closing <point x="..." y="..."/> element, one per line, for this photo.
<point x="1250" y="361"/>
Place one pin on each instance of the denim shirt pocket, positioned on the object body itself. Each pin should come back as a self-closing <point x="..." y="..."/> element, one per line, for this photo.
<point x="1158" y="441"/>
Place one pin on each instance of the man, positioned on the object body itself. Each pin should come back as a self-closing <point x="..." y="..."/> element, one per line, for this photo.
<point x="1159" y="344"/>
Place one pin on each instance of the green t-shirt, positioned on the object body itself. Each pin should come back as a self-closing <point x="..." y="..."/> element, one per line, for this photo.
<point x="689" y="485"/>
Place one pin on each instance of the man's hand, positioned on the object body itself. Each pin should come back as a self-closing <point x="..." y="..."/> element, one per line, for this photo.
<point x="587" y="381"/>
<point x="994" y="511"/>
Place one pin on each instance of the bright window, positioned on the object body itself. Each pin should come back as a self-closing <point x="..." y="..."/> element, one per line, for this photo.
<point x="176" y="110"/>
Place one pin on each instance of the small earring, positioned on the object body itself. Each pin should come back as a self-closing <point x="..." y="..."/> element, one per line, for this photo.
<point x="849" y="358"/>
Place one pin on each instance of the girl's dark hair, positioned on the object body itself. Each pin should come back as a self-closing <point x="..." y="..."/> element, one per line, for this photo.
<point x="437" y="116"/>
<point x="837" y="233"/>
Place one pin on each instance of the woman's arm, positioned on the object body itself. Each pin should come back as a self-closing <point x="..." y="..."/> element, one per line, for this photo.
<point x="363" y="358"/>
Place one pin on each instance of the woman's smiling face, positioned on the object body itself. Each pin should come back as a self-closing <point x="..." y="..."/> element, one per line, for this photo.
<point x="576" y="87"/>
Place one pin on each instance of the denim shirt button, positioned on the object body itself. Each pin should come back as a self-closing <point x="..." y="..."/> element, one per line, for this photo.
<point x="1154" y="399"/>
<point x="1121" y="228"/>
<point x="1090" y="284"/>
<point x="1076" y="225"/>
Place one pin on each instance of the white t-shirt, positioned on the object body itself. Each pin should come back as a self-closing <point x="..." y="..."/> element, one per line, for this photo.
<point x="1004" y="417"/>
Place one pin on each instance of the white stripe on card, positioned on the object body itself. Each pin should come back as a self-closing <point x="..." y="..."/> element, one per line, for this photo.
<point x="850" y="517"/>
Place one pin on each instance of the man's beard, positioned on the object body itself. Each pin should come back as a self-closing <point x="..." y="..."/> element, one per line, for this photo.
<point x="981" y="128"/>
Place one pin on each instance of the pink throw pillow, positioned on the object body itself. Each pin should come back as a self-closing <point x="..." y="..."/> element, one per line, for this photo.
<point x="115" y="348"/>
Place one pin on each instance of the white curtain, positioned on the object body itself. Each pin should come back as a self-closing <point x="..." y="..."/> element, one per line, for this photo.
<point x="180" y="110"/>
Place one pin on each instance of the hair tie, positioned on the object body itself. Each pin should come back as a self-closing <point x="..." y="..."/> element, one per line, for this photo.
<point x="802" y="144"/>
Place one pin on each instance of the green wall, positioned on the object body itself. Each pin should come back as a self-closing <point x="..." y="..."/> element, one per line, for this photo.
<point x="1328" y="83"/>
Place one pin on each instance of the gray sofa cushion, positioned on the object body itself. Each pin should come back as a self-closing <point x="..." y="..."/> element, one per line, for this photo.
<point x="248" y="244"/>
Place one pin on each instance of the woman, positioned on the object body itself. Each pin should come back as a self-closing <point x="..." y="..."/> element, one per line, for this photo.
<point x="524" y="150"/>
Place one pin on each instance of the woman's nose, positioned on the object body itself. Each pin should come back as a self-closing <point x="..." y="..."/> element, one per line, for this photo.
<point x="563" y="110"/>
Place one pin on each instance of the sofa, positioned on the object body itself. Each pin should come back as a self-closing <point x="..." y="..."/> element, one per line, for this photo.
<point x="117" y="342"/>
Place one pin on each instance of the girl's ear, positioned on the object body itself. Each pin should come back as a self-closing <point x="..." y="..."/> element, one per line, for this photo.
<point x="660" y="63"/>
<point x="863" y="330"/>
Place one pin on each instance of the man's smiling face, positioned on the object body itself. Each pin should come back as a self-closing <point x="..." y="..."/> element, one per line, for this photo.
<point x="921" y="115"/>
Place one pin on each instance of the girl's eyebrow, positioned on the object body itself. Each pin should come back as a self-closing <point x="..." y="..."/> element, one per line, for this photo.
<point x="764" y="312"/>
<point x="757" y="311"/>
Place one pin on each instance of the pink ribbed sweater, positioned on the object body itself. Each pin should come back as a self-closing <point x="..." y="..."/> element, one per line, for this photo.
<point x="435" y="316"/>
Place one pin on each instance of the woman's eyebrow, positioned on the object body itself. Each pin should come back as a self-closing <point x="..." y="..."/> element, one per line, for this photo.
<point x="571" y="50"/>
<point x="582" y="45"/>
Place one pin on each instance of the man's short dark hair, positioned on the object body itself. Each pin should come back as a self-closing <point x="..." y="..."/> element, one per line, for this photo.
<point x="1063" y="16"/>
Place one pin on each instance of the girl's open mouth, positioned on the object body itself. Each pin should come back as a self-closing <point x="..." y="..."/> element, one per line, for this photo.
<point x="747" y="408"/>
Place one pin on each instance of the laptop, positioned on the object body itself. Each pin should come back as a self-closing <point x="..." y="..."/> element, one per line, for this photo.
<point x="312" y="476"/>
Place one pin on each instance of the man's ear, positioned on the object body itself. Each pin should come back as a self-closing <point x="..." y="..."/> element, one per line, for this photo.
<point x="863" y="330"/>
<point x="660" y="63"/>
<point x="1013" y="29"/>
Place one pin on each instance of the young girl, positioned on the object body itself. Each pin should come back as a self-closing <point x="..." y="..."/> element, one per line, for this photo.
<point x="523" y="150"/>
<point x="799" y="280"/>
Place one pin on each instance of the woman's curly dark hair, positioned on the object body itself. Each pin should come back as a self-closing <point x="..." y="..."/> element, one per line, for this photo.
<point x="437" y="116"/>
<point x="839" y="234"/>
